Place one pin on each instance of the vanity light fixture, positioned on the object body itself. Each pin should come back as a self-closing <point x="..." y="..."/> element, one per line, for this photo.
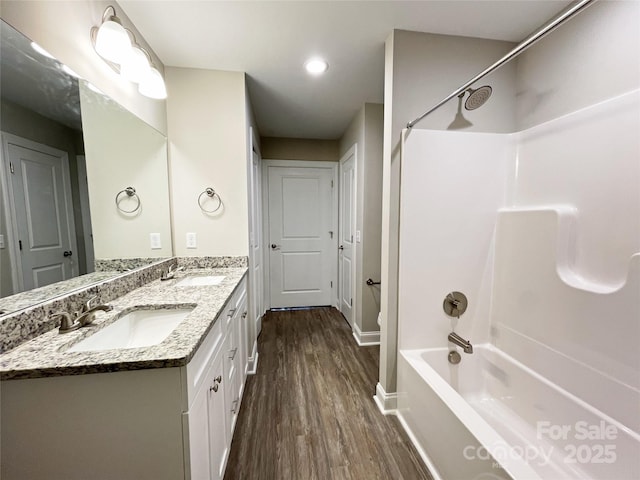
<point x="316" y="66"/>
<point x="118" y="47"/>
<point x="152" y="85"/>
<point x="111" y="39"/>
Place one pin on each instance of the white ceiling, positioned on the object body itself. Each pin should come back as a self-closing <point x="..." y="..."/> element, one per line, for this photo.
<point x="271" y="40"/>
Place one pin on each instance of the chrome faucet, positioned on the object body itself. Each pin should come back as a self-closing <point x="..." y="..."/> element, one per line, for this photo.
<point x="461" y="342"/>
<point x="67" y="324"/>
<point x="88" y="313"/>
<point x="171" y="273"/>
<point x="70" y="322"/>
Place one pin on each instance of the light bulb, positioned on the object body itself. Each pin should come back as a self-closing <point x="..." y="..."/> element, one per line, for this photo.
<point x="316" y="66"/>
<point x="112" y="41"/>
<point x="152" y="85"/>
<point x="136" y="66"/>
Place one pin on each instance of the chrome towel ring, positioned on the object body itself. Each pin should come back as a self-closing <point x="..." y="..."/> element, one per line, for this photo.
<point x="130" y="192"/>
<point x="211" y="193"/>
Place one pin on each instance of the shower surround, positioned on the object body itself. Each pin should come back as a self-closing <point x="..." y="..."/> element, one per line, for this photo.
<point x="540" y="229"/>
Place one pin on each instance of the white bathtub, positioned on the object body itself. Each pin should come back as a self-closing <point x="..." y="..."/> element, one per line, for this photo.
<point x="491" y="417"/>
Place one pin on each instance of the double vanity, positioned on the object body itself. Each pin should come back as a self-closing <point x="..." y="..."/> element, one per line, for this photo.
<point x="150" y="389"/>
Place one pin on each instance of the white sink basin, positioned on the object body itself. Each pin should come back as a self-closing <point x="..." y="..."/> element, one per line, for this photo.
<point x="139" y="328"/>
<point x="199" y="281"/>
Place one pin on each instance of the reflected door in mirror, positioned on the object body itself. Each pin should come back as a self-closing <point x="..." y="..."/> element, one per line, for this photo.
<point x="39" y="178"/>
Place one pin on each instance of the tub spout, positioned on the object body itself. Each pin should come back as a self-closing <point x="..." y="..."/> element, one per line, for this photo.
<point x="461" y="342"/>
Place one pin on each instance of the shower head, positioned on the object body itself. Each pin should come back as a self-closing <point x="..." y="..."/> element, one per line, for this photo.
<point x="477" y="97"/>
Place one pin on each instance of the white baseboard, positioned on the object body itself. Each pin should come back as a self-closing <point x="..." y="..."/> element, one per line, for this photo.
<point x="425" y="458"/>
<point x="387" y="402"/>
<point x="252" y="365"/>
<point x="365" y="339"/>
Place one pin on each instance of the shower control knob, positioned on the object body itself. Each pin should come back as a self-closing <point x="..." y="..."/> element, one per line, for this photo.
<point x="455" y="304"/>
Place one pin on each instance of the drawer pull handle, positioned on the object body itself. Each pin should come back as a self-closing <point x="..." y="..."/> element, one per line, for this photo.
<point x="214" y="388"/>
<point x="244" y="315"/>
<point x="232" y="353"/>
<point x="231" y="312"/>
<point x="218" y="379"/>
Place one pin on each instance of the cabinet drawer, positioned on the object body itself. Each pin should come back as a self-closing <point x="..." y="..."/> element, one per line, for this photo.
<point x="199" y="364"/>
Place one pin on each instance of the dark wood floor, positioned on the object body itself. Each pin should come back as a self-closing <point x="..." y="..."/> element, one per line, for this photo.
<point x="309" y="412"/>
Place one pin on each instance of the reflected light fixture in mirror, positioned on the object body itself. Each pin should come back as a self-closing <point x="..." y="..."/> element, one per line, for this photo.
<point x="118" y="47"/>
<point x="41" y="50"/>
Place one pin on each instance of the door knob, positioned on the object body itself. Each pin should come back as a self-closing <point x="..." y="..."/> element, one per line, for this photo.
<point x="341" y="247"/>
<point x="275" y="247"/>
<point x="68" y="253"/>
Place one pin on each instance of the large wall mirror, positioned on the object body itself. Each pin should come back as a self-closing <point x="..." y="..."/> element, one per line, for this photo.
<point x="71" y="159"/>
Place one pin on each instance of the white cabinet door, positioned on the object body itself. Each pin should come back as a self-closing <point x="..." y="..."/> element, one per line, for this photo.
<point x="198" y="421"/>
<point x="219" y="441"/>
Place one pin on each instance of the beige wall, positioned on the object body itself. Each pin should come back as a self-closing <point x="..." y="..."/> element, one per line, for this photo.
<point x="63" y="27"/>
<point x="589" y="59"/>
<point x="123" y="151"/>
<point x="372" y="214"/>
<point x="300" y="149"/>
<point x="207" y="125"/>
<point x="420" y="70"/>
<point x="365" y="131"/>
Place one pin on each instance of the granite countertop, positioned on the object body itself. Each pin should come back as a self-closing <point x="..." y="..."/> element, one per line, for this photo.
<point x="47" y="355"/>
<point x="37" y="295"/>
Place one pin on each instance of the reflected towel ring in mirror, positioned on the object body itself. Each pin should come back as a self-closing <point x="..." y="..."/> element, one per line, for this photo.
<point x="130" y="193"/>
<point x="211" y="193"/>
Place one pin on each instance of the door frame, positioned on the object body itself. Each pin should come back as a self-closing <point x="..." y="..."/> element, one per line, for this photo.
<point x="265" y="219"/>
<point x="353" y="151"/>
<point x="10" y="209"/>
<point x="255" y="284"/>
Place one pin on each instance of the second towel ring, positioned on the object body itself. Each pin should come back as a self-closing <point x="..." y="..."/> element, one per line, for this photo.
<point x="211" y="193"/>
<point x="130" y="192"/>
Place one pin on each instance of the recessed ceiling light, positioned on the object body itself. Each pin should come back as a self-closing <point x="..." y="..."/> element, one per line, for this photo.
<point x="316" y="66"/>
<point x="41" y="50"/>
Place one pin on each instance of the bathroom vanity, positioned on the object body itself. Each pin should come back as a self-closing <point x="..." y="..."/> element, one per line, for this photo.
<point x="161" y="411"/>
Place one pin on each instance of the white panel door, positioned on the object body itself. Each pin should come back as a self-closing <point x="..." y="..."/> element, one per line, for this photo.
<point x="347" y="202"/>
<point x="300" y="236"/>
<point x="42" y="206"/>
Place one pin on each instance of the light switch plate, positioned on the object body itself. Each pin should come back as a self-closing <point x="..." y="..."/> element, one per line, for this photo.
<point x="358" y="236"/>
<point x="154" y="239"/>
<point x="192" y="241"/>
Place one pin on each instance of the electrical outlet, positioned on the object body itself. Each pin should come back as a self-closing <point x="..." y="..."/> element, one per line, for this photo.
<point x="192" y="241"/>
<point x="154" y="239"/>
